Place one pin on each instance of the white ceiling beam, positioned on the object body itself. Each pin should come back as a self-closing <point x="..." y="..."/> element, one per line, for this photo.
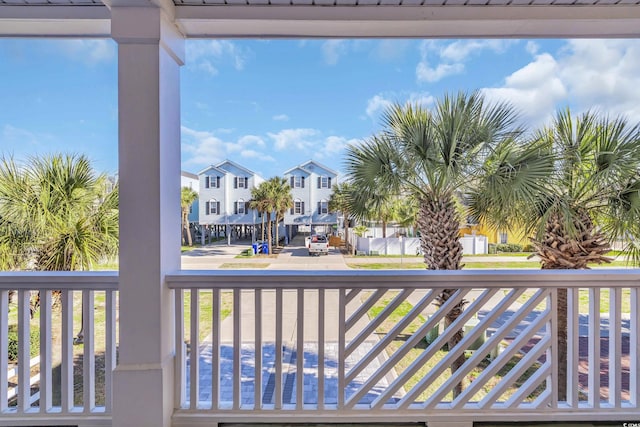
<point x="55" y="21"/>
<point x="409" y="21"/>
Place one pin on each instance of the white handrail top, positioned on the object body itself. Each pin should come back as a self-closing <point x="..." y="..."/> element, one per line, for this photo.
<point x="77" y="280"/>
<point x="335" y="279"/>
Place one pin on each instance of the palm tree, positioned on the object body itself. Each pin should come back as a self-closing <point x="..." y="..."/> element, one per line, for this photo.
<point x="340" y="201"/>
<point x="283" y="200"/>
<point x="431" y="155"/>
<point x="586" y="199"/>
<point x="267" y="198"/>
<point x="187" y="197"/>
<point x="56" y="214"/>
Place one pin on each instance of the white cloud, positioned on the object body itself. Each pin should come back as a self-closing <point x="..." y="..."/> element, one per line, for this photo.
<point x="300" y="139"/>
<point x="376" y="105"/>
<point x="586" y="74"/>
<point x="442" y="59"/>
<point x="251" y="141"/>
<point x="425" y="73"/>
<point x="391" y="49"/>
<point x="89" y="51"/>
<point x="252" y="154"/>
<point x="209" y="55"/>
<point x="281" y="117"/>
<point x="332" y="50"/>
<point x="201" y="148"/>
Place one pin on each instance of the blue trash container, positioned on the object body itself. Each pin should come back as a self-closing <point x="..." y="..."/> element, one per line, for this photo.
<point x="265" y="249"/>
<point x="255" y="248"/>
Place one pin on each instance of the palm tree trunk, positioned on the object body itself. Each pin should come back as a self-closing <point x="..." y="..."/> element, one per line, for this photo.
<point x="440" y="242"/>
<point x="562" y="250"/>
<point x="384" y="229"/>
<point x="277" y="231"/>
<point x="269" y="232"/>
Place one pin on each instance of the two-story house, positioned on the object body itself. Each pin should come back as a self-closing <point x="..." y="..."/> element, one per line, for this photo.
<point x="311" y="187"/>
<point x="225" y="192"/>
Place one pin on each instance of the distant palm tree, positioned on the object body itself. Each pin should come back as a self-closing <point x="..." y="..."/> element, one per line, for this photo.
<point x="432" y="155"/>
<point x="268" y="198"/>
<point x="589" y="197"/>
<point x="283" y="200"/>
<point x="187" y="197"/>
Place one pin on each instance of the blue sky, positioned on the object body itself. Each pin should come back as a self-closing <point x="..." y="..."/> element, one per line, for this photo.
<point x="270" y="105"/>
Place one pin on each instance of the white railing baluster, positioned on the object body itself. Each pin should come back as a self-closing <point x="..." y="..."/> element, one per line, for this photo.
<point x="573" y="346"/>
<point x="194" y="354"/>
<point x="180" y="363"/>
<point x="300" y="351"/>
<point x="321" y="345"/>
<point x="552" y="351"/>
<point x="88" y="358"/>
<point x="4" y="344"/>
<point x="110" y="352"/>
<point x="615" y="347"/>
<point x="594" y="347"/>
<point x="237" y="350"/>
<point x="215" y="350"/>
<point x="24" y="356"/>
<point x="45" y="351"/>
<point x="67" y="351"/>
<point x="342" y="331"/>
<point x="257" y="383"/>
<point x="278" y="351"/>
<point x="634" y="348"/>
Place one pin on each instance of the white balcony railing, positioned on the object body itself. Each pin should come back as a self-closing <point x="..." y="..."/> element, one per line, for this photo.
<point x="52" y="377"/>
<point x="350" y="346"/>
<point x="333" y="346"/>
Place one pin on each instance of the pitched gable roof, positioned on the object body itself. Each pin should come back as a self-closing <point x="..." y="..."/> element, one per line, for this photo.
<point x="305" y="167"/>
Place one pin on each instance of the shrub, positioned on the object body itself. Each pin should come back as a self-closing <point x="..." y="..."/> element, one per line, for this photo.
<point x="492" y="248"/>
<point x="508" y="247"/>
<point x="12" y="339"/>
<point x="529" y="248"/>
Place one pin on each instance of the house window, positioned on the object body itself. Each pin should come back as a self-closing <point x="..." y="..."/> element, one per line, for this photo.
<point x="298" y="207"/>
<point x="213" y="207"/>
<point x="240" y="182"/>
<point x="503" y="237"/>
<point x="324" y="182"/>
<point x="297" y="182"/>
<point x="323" y="207"/>
<point x="212" y="182"/>
<point x="240" y="207"/>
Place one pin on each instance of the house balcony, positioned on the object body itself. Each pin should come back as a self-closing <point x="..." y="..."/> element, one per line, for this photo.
<point x="356" y="347"/>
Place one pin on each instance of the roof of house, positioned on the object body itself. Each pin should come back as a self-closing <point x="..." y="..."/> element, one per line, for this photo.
<point x="309" y="165"/>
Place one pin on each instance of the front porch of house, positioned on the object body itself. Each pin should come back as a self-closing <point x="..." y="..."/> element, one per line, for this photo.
<point x="342" y="347"/>
<point x="337" y="346"/>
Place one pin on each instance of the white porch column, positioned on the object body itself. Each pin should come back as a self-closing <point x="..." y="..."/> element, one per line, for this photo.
<point x="150" y="53"/>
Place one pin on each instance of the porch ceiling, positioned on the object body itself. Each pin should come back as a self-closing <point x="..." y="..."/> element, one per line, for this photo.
<point x="335" y="18"/>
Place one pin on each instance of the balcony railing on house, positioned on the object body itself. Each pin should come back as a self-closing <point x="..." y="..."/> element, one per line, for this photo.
<point x="354" y="346"/>
<point x="58" y="339"/>
<point x="333" y="346"/>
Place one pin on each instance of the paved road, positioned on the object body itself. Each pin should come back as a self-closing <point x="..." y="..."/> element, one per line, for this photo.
<point x="293" y="257"/>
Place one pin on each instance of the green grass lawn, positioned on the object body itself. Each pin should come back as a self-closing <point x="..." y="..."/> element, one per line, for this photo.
<point x="467" y="265"/>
